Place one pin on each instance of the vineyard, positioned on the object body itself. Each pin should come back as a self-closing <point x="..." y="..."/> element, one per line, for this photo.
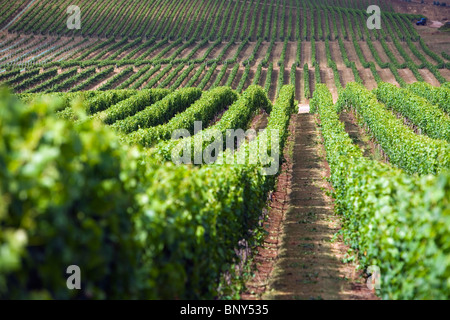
<point x="212" y="43"/>
<point x="87" y="175"/>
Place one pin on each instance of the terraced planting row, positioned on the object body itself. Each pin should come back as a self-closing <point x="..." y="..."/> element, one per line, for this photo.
<point x="212" y="222"/>
<point x="371" y="193"/>
<point x="199" y="19"/>
<point x="333" y="50"/>
<point x="335" y="67"/>
<point x="119" y="153"/>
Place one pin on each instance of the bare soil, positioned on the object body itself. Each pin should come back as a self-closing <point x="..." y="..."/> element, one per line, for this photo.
<point x="327" y="76"/>
<point x="199" y="54"/>
<point x="262" y="79"/>
<point x="380" y="50"/>
<point x="291" y="53"/>
<point x="394" y="50"/>
<point x="225" y="77"/>
<point x="407" y="75"/>
<point x="247" y="51"/>
<point x="276" y="52"/>
<point x="346" y="75"/>
<point x="429" y="77"/>
<point x="367" y="78"/>
<point x="251" y="76"/>
<point x="237" y="79"/>
<point x="387" y="76"/>
<point x="306" y="263"/>
<point x="273" y="87"/>
<point x="445" y="73"/>
<point x="351" y="54"/>
<point x="366" y="51"/>
<point x="190" y="75"/>
<point x="321" y="54"/>
<point x="261" y="53"/>
<point x="306" y="53"/>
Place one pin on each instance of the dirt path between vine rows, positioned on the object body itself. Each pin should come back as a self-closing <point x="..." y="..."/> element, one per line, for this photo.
<point x="302" y="258"/>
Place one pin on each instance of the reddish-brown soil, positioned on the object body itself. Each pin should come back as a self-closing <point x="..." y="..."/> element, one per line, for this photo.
<point x="237" y="79"/>
<point x="265" y="259"/>
<point x="306" y="53"/>
<point x="249" y="81"/>
<point x="291" y="54"/>
<point x="327" y="76"/>
<point x="445" y="73"/>
<point x="190" y="75"/>
<point x="225" y="77"/>
<point x="321" y="53"/>
<point x="429" y="77"/>
<point x="392" y="47"/>
<point x="345" y="73"/>
<point x="247" y="51"/>
<point x="273" y="87"/>
<point x="380" y="50"/>
<point x="407" y="75"/>
<point x="262" y="78"/>
<point x="366" y="51"/>
<point x="367" y="78"/>
<point x="306" y="261"/>
<point x="276" y="52"/>
<point x="387" y="76"/>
